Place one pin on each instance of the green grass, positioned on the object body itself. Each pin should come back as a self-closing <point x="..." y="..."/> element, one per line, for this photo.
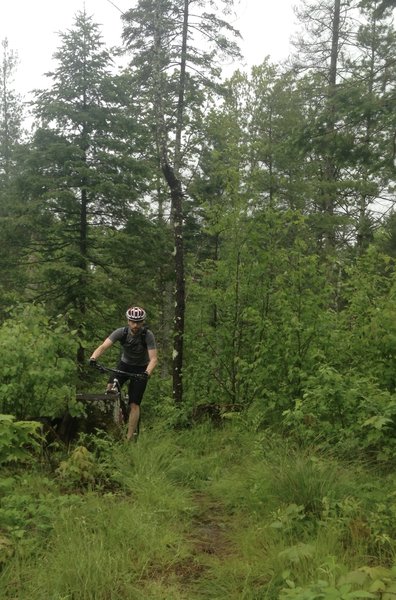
<point x="204" y="513"/>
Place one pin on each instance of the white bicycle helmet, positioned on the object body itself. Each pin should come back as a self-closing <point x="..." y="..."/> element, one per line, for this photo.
<point x="135" y="313"/>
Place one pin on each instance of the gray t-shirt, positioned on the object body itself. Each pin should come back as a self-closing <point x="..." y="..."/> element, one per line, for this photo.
<point x="135" y="347"/>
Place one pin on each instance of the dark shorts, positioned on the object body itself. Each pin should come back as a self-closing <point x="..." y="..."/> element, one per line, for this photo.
<point x="136" y="387"/>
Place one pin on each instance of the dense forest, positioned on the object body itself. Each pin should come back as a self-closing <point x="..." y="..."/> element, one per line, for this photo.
<point x="253" y="218"/>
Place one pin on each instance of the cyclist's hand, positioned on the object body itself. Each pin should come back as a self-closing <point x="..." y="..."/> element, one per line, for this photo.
<point x="145" y="376"/>
<point x="92" y="362"/>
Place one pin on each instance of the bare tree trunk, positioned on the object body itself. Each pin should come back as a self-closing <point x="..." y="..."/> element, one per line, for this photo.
<point x="172" y="177"/>
<point x="180" y="300"/>
<point x="330" y="174"/>
<point x="81" y="300"/>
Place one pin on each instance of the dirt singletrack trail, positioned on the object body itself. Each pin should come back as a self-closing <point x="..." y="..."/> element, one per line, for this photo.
<point x="210" y="543"/>
<point x="210" y="528"/>
<point x="207" y="537"/>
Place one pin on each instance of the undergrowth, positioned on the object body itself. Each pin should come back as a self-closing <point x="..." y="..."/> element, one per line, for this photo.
<point x="200" y="513"/>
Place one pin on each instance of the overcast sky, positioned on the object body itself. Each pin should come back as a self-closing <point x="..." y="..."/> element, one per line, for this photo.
<point x="31" y="27"/>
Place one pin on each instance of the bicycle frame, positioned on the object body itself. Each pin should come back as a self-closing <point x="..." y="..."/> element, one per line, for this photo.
<point x="119" y="415"/>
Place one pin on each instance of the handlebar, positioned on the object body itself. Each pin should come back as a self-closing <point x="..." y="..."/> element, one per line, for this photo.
<point x="104" y="369"/>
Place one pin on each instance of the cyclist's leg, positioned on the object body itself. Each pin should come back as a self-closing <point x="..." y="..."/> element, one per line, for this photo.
<point x="133" y="421"/>
<point x="135" y="393"/>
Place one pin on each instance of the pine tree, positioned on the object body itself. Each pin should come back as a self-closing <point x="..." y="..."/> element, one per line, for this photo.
<point x="321" y="47"/>
<point x="371" y="118"/>
<point x="12" y="234"/>
<point x="10" y="113"/>
<point x="86" y="172"/>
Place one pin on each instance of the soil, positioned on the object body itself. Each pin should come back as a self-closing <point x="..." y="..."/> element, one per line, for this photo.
<point x="209" y="534"/>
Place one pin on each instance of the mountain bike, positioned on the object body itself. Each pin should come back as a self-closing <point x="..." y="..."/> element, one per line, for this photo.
<point x="114" y="401"/>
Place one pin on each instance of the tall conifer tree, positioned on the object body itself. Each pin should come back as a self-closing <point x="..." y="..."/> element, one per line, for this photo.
<point x="85" y="167"/>
<point x="12" y="236"/>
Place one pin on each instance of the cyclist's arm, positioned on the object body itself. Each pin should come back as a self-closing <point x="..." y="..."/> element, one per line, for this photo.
<point x="153" y="359"/>
<point x="100" y="349"/>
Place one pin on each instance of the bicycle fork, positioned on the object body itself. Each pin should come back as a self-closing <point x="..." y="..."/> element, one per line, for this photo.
<point x="118" y="416"/>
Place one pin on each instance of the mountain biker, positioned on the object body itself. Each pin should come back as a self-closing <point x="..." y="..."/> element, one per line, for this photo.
<point x="139" y="356"/>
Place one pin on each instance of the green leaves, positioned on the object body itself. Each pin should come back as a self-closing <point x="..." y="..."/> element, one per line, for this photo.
<point x="17" y="439"/>
<point x="366" y="582"/>
<point x="39" y="374"/>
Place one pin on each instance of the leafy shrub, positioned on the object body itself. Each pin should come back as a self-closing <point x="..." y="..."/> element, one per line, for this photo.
<point x="38" y="371"/>
<point x="91" y="464"/>
<point x="366" y="582"/>
<point x="16" y="439"/>
<point x="23" y="508"/>
<point x="79" y="469"/>
<point x="29" y="506"/>
<point x="345" y="409"/>
<point x="364" y="520"/>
